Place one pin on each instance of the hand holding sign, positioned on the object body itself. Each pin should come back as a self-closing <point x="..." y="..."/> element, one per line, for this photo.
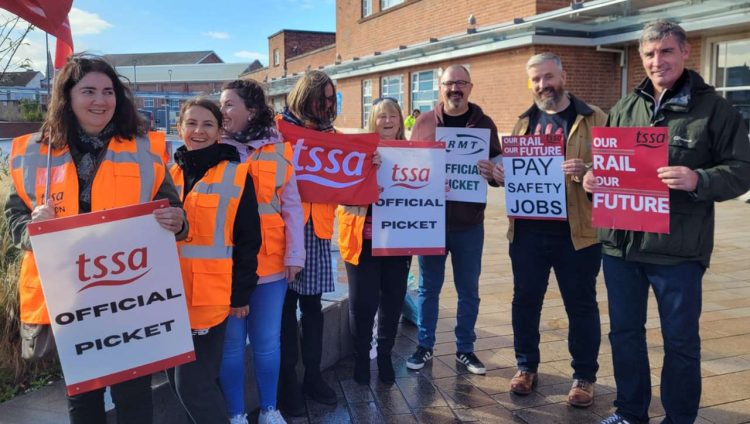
<point x="678" y="177"/>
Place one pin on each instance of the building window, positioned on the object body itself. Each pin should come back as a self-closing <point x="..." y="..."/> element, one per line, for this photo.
<point x="732" y="75"/>
<point x="148" y="102"/>
<point x="385" y="4"/>
<point x="276" y="57"/>
<point x="175" y="103"/>
<point x="366" y="8"/>
<point x="366" y="100"/>
<point x="424" y="90"/>
<point x="392" y="86"/>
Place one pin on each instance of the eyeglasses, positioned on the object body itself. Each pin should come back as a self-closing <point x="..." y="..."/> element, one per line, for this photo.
<point x="459" y="83"/>
<point x="381" y="98"/>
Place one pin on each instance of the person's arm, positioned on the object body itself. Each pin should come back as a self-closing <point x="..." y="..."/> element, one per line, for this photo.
<point x="168" y="191"/>
<point x="495" y="151"/>
<point x="18" y="216"/>
<point x="729" y="177"/>
<point x="247" y="239"/>
<point x="291" y="214"/>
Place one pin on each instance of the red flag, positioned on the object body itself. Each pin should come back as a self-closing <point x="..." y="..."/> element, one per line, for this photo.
<point x="64" y="47"/>
<point x="49" y="15"/>
<point x="333" y="168"/>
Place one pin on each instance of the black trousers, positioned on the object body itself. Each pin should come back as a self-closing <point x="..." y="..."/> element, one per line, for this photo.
<point x="196" y="384"/>
<point x="132" y="398"/>
<point x="377" y="284"/>
<point x="311" y="340"/>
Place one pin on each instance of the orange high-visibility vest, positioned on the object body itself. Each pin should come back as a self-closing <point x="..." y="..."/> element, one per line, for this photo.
<point x="206" y="253"/>
<point x="351" y="228"/>
<point x="271" y="169"/>
<point x="130" y="173"/>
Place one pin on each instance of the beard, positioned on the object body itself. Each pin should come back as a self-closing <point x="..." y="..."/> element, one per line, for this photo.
<point x="549" y="102"/>
<point x="455" y="99"/>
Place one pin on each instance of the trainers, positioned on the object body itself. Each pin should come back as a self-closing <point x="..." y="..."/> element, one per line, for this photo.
<point x="472" y="363"/>
<point x="271" y="416"/>
<point x="238" y="419"/>
<point x="581" y="395"/>
<point x="523" y="382"/>
<point x="419" y="358"/>
<point x="615" y="419"/>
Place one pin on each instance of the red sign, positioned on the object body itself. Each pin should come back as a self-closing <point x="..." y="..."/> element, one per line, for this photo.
<point x="333" y="168"/>
<point x="630" y="195"/>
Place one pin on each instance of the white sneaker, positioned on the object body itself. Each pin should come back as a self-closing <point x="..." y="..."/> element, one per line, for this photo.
<point x="271" y="416"/>
<point x="238" y="419"/>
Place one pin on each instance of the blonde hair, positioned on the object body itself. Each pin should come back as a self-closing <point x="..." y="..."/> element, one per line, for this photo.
<point x="387" y="105"/>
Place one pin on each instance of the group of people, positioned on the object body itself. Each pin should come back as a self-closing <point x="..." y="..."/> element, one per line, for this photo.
<point x="232" y="191"/>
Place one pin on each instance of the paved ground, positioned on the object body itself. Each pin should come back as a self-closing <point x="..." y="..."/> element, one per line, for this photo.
<point x="442" y="393"/>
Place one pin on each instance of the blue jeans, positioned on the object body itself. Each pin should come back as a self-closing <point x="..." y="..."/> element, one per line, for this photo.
<point x="532" y="255"/>
<point x="263" y="327"/>
<point x="677" y="289"/>
<point x="465" y="248"/>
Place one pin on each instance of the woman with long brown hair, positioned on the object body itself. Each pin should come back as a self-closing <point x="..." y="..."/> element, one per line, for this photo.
<point x="91" y="120"/>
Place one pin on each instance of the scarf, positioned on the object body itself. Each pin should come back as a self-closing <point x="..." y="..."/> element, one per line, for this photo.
<point x="249" y="134"/>
<point x="89" y="146"/>
<point x="312" y="124"/>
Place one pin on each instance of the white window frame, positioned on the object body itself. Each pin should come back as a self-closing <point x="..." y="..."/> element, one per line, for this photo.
<point x="148" y="102"/>
<point x="387" y="4"/>
<point x="424" y="104"/>
<point x="387" y="82"/>
<point x="710" y="53"/>
<point x="366" y="8"/>
<point x="366" y="100"/>
<point x="276" y="57"/>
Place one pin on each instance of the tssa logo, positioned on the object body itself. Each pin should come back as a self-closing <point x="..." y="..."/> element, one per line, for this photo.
<point x="101" y="268"/>
<point x="411" y="178"/>
<point x="466" y="144"/>
<point x="650" y="140"/>
<point x="313" y="161"/>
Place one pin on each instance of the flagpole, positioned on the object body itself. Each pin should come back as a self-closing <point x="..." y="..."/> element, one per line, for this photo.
<point x="49" y="142"/>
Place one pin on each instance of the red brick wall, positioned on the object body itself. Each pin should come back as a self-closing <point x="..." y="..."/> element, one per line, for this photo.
<point x="501" y="83"/>
<point x="298" y="43"/>
<point x="276" y="42"/>
<point x="313" y="60"/>
<point x="417" y="21"/>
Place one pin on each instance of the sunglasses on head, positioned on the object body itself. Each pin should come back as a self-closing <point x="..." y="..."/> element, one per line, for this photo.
<point x="381" y="98"/>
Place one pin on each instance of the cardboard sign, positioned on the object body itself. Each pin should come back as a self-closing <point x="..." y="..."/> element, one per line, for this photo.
<point x="409" y="217"/>
<point x="534" y="181"/>
<point x="630" y="195"/>
<point x="114" y="293"/>
<point x="464" y="147"/>
<point x="333" y="168"/>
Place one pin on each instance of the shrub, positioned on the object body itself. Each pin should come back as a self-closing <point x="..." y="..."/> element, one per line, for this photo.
<point x="16" y="375"/>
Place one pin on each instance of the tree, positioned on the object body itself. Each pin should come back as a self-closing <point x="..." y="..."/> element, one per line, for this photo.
<point x="13" y="32"/>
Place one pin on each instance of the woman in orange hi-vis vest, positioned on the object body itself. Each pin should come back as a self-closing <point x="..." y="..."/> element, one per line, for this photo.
<point x="97" y="139"/>
<point x="249" y="128"/>
<point x="312" y="104"/>
<point x="377" y="284"/>
<point x="219" y="257"/>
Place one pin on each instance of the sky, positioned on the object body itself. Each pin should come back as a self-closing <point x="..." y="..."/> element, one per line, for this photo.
<point x="237" y="30"/>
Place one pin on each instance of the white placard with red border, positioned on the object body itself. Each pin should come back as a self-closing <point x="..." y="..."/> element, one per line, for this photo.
<point x="409" y="216"/>
<point x="534" y="181"/>
<point x="464" y="147"/>
<point x="114" y="294"/>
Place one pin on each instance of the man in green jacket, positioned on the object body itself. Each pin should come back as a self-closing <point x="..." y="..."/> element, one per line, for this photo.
<point x="709" y="161"/>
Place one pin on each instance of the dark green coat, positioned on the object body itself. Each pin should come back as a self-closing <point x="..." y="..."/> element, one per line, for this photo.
<point x="706" y="134"/>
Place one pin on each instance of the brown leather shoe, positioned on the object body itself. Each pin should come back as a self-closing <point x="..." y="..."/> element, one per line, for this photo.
<point x="581" y="395"/>
<point x="523" y="382"/>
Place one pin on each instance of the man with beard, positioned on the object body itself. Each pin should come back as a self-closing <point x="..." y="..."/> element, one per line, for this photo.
<point x="569" y="247"/>
<point x="465" y="229"/>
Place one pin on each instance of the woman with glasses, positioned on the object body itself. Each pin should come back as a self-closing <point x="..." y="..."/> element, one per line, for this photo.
<point x="311" y="104"/>
<point x="377" y="284"/>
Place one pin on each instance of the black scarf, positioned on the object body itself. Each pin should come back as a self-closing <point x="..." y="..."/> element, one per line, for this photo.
<point x="89" y="147"/>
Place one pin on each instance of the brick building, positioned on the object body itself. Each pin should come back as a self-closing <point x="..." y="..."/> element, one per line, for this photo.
<point x="398" y="48"/>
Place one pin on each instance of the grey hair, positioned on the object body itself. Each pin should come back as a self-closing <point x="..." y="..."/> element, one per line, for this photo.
<point x="661" y="29"/>
<point x="544" y="57"/>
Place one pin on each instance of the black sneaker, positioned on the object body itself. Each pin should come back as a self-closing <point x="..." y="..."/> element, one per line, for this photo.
<point x="419" y="358"/>
<point x="472" y="363"/>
